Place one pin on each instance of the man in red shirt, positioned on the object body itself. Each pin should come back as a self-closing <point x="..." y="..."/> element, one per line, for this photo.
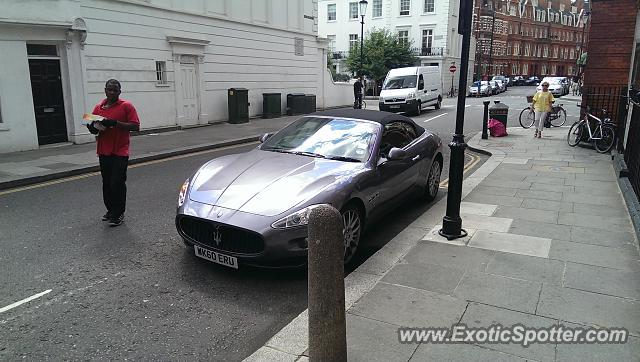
<point x="120" y="118"/>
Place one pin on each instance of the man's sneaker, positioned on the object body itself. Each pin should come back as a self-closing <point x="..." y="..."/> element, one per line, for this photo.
<point x="106" y="217"/>
<point x="115" y="221"/>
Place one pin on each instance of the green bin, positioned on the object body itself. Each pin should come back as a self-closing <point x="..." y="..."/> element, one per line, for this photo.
<point x="271" y="105"/>
<point x="500" y="112"/>
<point x="238" y="102"/>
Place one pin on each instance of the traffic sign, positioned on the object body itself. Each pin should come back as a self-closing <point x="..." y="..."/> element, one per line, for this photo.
<point x="453" y="69"/>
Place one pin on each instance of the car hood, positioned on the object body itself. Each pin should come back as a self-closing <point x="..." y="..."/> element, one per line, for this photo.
<point x="391" y="93"/>
<point x="266" y="183"/>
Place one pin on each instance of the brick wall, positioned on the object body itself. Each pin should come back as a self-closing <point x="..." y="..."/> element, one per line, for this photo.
<point x="610" y="42"/>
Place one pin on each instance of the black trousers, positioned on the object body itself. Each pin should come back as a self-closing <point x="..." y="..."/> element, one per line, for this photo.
<point x="114" y="187"/>
<point x="358" y="102"/>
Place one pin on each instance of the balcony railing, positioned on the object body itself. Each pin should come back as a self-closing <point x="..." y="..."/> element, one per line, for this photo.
<point x="428" y="52"/>
<point x="339" y="55"/>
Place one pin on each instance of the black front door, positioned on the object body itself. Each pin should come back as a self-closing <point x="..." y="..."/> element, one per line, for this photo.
<point x="48" y="102"/>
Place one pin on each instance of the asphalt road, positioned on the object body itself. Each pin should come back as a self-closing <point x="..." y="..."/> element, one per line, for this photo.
<point x="135" y="292"/>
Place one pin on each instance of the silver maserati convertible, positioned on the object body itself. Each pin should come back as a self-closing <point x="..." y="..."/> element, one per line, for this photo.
<point x="252" y="208"/>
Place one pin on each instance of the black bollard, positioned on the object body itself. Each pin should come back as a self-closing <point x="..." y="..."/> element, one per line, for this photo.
<point x="485" y="120"/>
<point x="327" y="325"/>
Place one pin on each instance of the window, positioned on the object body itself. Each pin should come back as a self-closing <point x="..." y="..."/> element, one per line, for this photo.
<point x="161" y="73"/>
<point x="403" y="37"/>
<point x="332" y="42"/>
<point x="353" y="10"/>
<point x="331" y="12"/>
<point x="405" y="7"/>
<point x="429" y="6"/>
<point x="396" y="134"/>
<point x="377" y="9"/>
<point x="42" y="50"/>
<point x="427" y="41"/>
<point x="353" y="41"/>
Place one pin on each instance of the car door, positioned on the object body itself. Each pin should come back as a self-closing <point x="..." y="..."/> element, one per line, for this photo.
<point x="394" y="177"/>
<point x="422" y="91"/>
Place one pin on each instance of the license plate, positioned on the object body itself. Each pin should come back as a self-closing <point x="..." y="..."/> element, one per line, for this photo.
<point x="230" y="261"/>
<point x="394" y="107"/>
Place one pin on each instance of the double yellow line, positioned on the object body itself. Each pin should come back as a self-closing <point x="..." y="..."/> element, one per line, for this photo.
<point x="474" y="161"/>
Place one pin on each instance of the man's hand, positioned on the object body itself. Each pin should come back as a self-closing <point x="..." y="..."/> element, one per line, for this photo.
<point x="109" y="122"/>
<point x="92" y="129"/>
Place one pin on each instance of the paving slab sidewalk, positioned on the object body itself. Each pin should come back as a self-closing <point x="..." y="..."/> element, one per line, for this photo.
<point x="546" y="246"/>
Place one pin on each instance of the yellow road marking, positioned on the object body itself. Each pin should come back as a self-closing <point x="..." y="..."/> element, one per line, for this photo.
<point x="474" y="161"/>
<point x="91" y="174"/>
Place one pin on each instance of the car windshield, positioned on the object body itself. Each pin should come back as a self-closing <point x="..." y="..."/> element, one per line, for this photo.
<point x="399" y="82"/>
<point x="331" y="138"/>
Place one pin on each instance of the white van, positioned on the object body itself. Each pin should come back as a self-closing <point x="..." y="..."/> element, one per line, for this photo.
<point x="411" y="89"/>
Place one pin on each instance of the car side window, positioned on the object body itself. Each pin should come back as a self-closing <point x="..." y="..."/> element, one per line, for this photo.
<point x="396" y="134"/>
<point x="420" y="83"/>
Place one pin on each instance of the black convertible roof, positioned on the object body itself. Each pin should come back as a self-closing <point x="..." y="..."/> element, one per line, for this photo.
<point x="370" y="115"/>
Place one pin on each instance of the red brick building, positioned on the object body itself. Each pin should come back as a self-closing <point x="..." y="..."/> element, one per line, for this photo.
<point x="530" y="37"/>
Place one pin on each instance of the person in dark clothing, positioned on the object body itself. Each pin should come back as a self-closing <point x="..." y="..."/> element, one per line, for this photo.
<point x="357" y="93"/>
<point x="120" y="118"/>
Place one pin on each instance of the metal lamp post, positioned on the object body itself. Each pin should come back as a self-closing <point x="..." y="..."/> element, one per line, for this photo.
<point x="452" y="222"/>
<point x="363" y="9"/>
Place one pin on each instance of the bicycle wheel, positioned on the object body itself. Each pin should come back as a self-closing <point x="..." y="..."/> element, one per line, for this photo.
<point x="575" y="133"/>
<point x="606" y="140"/>
<point x="562" y="117"/>
<point x="527" y="118"/>
<point x="364" y="105"/>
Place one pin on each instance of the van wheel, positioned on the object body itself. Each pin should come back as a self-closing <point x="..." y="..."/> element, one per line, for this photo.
<point x="439" y="103"/>
<point x="418" y="108"/>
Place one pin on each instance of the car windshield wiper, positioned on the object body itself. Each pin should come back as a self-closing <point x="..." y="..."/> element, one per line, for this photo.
<point x="342" y="158"/>
<point x="303" y="153"/>
<point x="277" y="149"/>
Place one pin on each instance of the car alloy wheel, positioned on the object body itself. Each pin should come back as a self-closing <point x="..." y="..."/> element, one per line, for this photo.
<point x="433" y="181"/>
<point x="352" y="230"/>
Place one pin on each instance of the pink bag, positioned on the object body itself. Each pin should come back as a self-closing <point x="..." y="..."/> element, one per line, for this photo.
<point x="496" y="128"/>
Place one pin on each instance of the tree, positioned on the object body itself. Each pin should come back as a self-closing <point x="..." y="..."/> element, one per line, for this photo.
<point x="382" y="51"/>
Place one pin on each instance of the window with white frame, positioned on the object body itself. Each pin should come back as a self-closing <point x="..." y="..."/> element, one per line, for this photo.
<point x="525" y="68"/>
<point x="405" y="7"/>
<point x="353" y="10"/>
<point x="353" y="41"/>
<point x="429" y="6"/>
<point x="332" y="42"/>
<point x="427" y="40"/>
<point x="546" y="51"/>
<point x="331" y="12"/>
<point x="377" y="8"/>
<point x="403" y="37"/>
<point x="161" y="73"/>
<point x="514" y="68"/>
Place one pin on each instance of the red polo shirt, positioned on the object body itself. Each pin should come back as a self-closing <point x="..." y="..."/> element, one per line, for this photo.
<point x="115" y="141"/>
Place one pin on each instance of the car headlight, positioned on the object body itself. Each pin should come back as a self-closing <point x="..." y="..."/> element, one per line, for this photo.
<point x="411" y="95"/>
<point x="183" y="192"/>
<point x="298" y="218"/>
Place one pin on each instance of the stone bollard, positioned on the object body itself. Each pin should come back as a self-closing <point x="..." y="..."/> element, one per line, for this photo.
<point x="327" y="326"/>
<point x="485" y="119"/>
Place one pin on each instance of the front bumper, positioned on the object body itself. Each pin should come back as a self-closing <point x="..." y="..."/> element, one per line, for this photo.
<point x="406" y="106"/>
<point x="276" y="248"/>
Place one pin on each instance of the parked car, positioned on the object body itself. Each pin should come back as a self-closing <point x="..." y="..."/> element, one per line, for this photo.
<point x="504" y="81"/>
<point x="532" y="81"/>
<point x="495" y="88"/>
<point x="518" y="80"/>
<point x="480" y="88"/>
<point x="253" y="208"/>
<point x="555" y="86"/>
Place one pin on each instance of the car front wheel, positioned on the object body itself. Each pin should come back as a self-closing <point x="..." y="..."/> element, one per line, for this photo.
<point x="433" y="181"/>
<point x="352" y="219"/>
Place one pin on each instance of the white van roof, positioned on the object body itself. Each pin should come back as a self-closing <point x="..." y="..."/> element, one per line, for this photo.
<point x="412" y="70"/>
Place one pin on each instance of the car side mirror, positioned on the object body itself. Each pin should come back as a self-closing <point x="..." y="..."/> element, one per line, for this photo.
<point x="265" y="137"/>
<point x="397" y="154"/>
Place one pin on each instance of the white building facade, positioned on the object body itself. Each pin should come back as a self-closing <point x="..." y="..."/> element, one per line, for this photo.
<point x="176" y="61"/>
<point x="431" y="26"/>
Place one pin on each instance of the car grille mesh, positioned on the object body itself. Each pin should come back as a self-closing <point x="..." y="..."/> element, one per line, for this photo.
<point x="231" y="239"/>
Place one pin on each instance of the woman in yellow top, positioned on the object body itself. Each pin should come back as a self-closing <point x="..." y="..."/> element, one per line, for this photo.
<point x="542" y="106"/>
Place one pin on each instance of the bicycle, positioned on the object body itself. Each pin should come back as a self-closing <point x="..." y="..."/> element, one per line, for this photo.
<point x="603" y="136"/>
<point x="452" y="93"/>
<point x="363" y="105"/>
<point x="557" y="116"/>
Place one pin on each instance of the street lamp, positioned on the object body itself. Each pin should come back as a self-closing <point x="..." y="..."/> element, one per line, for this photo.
<point x="363" y="9"/>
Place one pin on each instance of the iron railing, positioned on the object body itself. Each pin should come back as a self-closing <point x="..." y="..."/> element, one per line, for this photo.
<point x="428" y="52"/>
<point x="614" y="100"/>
